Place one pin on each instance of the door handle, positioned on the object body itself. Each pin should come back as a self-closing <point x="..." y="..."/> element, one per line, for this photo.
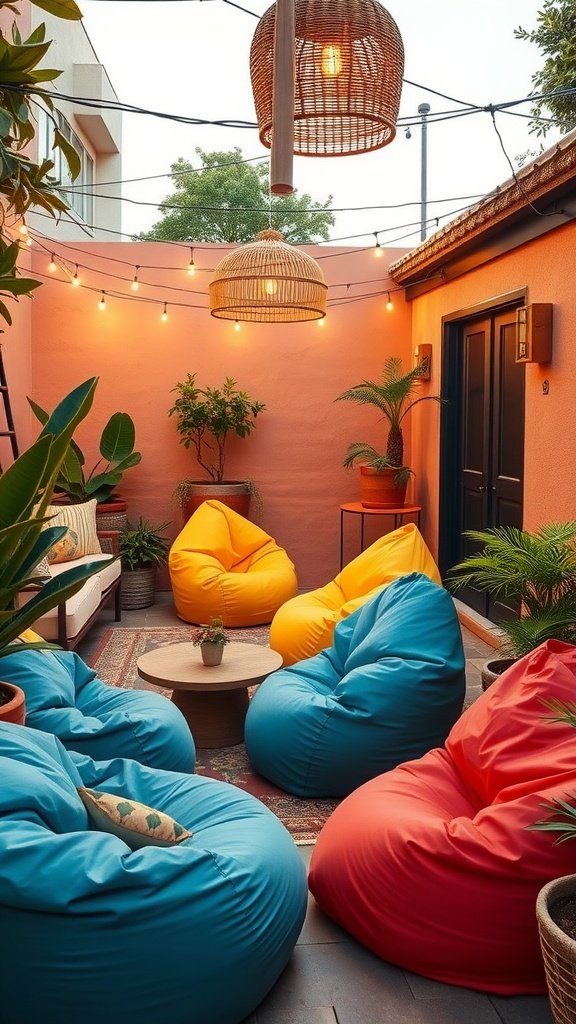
<point x="481" y="488"/>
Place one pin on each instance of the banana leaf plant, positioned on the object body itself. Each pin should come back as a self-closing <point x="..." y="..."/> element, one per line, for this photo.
<point x="117" y="451"/>
<point x="25" y="534"/>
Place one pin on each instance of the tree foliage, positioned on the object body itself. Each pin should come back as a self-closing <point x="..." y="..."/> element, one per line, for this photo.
<point x="555" y="35"/>
<point x="227" y="201"/>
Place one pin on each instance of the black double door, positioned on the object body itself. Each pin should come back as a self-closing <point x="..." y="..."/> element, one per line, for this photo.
<point x="489" y="490"/>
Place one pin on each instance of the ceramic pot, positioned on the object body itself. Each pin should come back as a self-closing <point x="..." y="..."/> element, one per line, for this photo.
<point x="378" y="489"/>
<point x="211" y="653"/>
<point x="558" y="950"/>
<point x="493" y="669"/>
<point x="14" y="710"/>
<point x="233" y="493"/>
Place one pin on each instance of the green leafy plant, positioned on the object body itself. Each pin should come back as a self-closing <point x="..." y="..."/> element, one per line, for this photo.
<point x="538" y="569"/>
<point x="391" y="396"/>
<point x="117" y="451"/>
<point x="25" y="534"/>
<point x="212" y="633"/>
<point x="563" y="814"/>
<point x="23" y="182"/>
<point x="206" y="416"/>
<point x="142" y="545"/>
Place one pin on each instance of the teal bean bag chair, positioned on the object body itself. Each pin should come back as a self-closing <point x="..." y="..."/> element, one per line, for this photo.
<point x="94" y="931"/>
<point x="389" y="689"/>
<point x="65" y="697"/>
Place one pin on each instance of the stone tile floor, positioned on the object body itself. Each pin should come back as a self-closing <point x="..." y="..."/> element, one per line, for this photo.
<point x="332" y="979"/>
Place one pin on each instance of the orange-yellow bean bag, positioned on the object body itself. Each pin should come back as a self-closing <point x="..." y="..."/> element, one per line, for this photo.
<point x="223" y="565"/>
<point x="433" y="865"/>
<point x="305" y="625"/>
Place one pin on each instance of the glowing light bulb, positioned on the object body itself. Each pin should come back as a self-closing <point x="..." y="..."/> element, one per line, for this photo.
<point x="320" y="322"/>
<point x="52" y="266"/>
<point x="236" y="325"/>
<point x="331" y="61"/>
<point x="135" y="282"/>
<point x="377" y="248"/>
<point x="270" y="286"/>
<point x="389" y="304"/>
<point x="191" y="265"/>
<point x="29" y="240"/>
<point x="23" y="229"/>
<point x="102" y="303"/>
<point x="164" y="316"/>
<point x="76" y="279"/>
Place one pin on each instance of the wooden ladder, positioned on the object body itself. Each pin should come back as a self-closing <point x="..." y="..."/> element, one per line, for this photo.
<point x="4" y="395"/>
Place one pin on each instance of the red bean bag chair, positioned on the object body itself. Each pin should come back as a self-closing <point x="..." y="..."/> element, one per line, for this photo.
<point x="432" y="865"/>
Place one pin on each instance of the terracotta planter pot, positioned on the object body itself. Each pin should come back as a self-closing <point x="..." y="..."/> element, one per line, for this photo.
<point x="233" y="493"/>
<point x="493" y="669"/>
<point x="15" y="709"/>
<point x="378" y="489"/>
<point x="212" y="653"/>
<point x="558" y="951"/>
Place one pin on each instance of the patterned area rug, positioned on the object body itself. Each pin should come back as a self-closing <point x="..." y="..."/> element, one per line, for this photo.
<point x="115" y="661"/>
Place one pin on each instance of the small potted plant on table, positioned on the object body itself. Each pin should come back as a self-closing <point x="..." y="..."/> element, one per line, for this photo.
<point x="211" y="639"/>
<point x="383" y="475"/>
<point x="142" y="550"/>
<point x="205" y="419"/>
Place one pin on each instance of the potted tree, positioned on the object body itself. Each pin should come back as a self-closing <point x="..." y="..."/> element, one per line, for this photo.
<point x="383" y="475"/>
<point x="538" y="570"/>
<point x="26" y="536"/>
<point x="205" y="417"/>
<point x="77" y="484"/>
<point x="211" y="639"/>
<point x="142" y="550"/>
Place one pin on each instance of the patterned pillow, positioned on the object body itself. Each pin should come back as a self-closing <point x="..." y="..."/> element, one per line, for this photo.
<point x="42" y="569"/>
<point x="81" y="538"/>
<point x="135" y="823"/>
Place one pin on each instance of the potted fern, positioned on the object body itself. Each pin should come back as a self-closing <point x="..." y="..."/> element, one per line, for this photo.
<point x="205" y="419"/>
<point x="383" y="475"/>
<point x="536" y="569"/>
<point x="142" y="549"/>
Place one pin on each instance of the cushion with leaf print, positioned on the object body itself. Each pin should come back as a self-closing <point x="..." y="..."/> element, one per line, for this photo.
<point x="135" y="823"/>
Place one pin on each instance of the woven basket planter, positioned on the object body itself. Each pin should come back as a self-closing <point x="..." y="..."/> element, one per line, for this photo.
<point x="111" y="515"/>
<point x="137" y="588"/>
<point x="558" y="951"/>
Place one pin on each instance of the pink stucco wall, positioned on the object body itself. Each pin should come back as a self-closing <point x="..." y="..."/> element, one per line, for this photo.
<point x="295" y="453"/>
<point x="543" y="266"/>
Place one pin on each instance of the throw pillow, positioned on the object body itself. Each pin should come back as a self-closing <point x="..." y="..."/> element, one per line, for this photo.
<point x="81" y="537"/>
<point x="42" y="569"/>
<point x="135" y="823"/>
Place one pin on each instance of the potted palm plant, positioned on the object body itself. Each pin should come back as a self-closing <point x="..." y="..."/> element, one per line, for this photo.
<point x="77" y="484"/>
<point x="205" y="418"/>
<point x="383" y="475"/>
<point x="211" y="639"/>
<point x="26" y="535"/>
<point x="536" y="569"/>
<point x="142" y="550"/>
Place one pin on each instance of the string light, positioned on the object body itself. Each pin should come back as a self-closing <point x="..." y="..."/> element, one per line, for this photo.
<point x="102" y="303"/>
<point x="236" y="325"/>
<point x="76" y="279"/>
<point x="377" y="248"/>
<point x="23" y="229"/>
<point x="191" y="265"/>
<point x="389" y="304"/>
<point x="52" y="266"/>
<point x="135" y="282"/>
<point x="321" y="322"/>
<point x="164" y="316"/>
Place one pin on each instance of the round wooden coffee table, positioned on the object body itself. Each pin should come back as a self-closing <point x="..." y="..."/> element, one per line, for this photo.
<point x="213" y="699"/>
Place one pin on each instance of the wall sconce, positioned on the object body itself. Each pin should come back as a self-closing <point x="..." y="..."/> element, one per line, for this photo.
<point x="423" y="358"/>
<point x="534" y="333"/>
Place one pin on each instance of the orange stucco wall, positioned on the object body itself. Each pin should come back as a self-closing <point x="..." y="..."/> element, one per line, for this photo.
<point x="544" y="267"/>
<point x="295" y="452"/>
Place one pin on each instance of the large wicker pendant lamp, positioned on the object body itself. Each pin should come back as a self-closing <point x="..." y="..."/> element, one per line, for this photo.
<point x="349" y="62"/>
<point x="268" y="281"/>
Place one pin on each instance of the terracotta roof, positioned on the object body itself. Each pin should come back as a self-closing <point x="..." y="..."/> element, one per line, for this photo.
<point x="539" y="184"/>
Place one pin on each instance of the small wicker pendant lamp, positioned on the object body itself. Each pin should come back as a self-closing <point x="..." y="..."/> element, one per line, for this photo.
<point x="268" y="281"/>
<point x="349" y="62"/>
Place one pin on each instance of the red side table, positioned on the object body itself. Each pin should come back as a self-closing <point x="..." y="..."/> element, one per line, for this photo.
<point x="356" y="508"/>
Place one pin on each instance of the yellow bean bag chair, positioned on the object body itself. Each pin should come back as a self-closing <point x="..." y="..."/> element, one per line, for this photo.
<point x="223" y="565"/>
<point x="304" y="625"/>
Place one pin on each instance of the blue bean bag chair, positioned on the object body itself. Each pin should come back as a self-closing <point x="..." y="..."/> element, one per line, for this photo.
<point x="65" y="697"/>
<point x="190" y="934"/>
<point x="389" y="689"/>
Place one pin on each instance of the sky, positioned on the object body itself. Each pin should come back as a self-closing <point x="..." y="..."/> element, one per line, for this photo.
<point x="192" y="58"/>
